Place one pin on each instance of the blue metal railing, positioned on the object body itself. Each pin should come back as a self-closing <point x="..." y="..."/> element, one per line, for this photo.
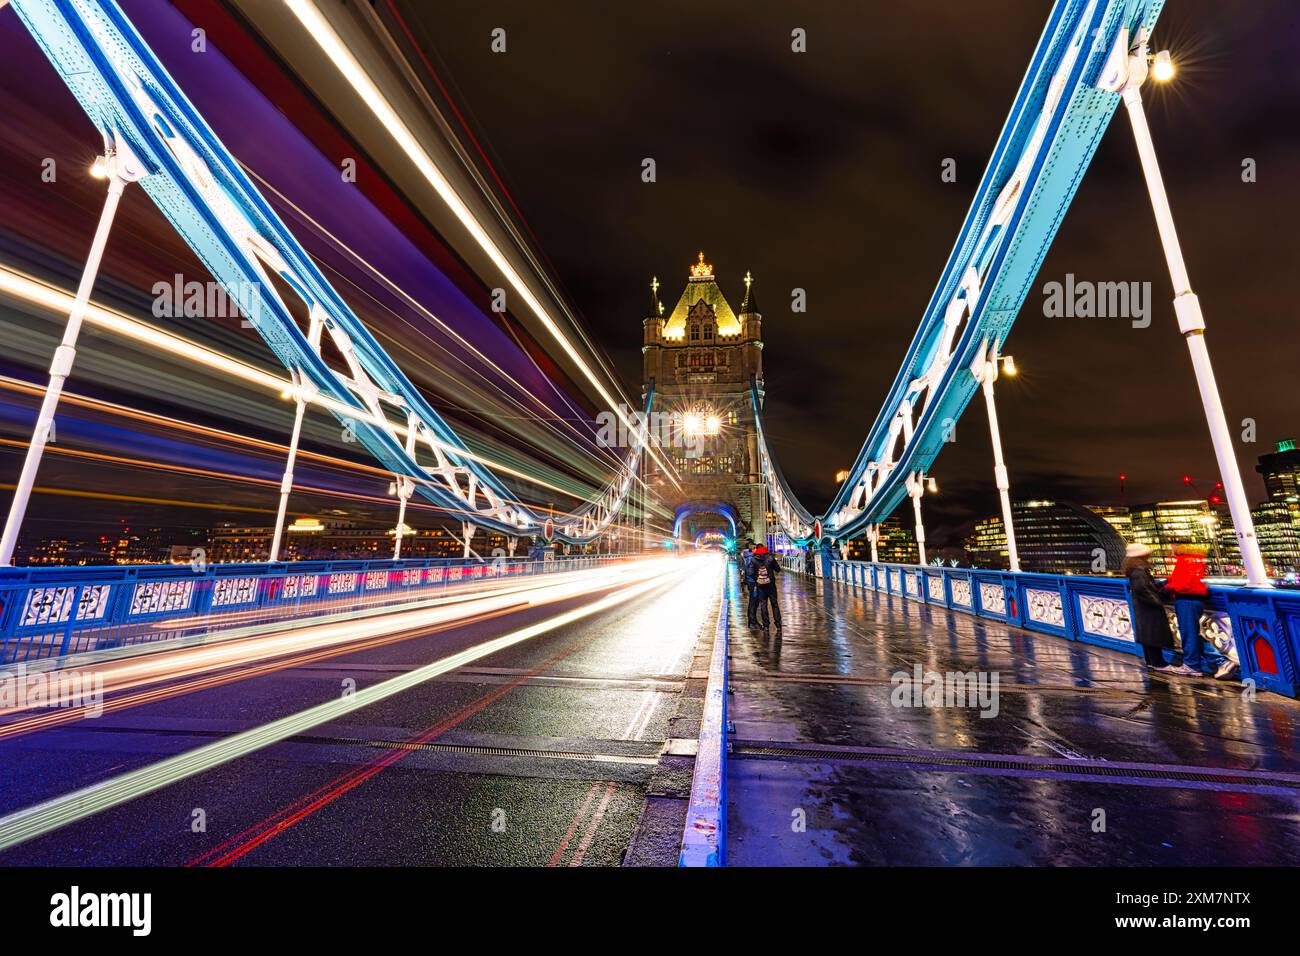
<point x="54" y="612"/>
<point x="1263" y="624"/>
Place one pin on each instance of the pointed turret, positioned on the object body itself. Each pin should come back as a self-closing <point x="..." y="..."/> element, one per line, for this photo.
<point x="749" y="304"/>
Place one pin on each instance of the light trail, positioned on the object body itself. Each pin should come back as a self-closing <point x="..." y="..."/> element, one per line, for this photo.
<point x="127" y="700"/>
<point x="219" y="438"/>
<point x="353" y="72"/>
<point x="31" y="822"/>
<point x="547" y="419"/>
<point x="134" y="672"/>
<point x="30" y="290"/>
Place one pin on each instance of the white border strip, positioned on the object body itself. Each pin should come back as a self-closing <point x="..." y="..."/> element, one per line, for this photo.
<point x="704" y="840"/>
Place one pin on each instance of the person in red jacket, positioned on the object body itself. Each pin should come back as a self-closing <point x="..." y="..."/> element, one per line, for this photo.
<point x="1187" y="587"/>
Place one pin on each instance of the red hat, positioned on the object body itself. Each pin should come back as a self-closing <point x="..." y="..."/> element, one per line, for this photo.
<point x="761" y="549"/>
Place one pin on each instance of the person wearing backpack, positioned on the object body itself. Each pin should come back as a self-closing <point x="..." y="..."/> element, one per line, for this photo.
<point x="763" y="569"/>
<point x="743" y="561"/>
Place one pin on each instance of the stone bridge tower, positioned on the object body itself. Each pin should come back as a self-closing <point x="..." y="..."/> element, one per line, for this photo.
<point x="701" y="358"/>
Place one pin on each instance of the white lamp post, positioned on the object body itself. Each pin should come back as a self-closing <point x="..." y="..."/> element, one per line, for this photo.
<point x="1124" y="74"/>
<point x="985" y="370"/>
<point x="119" y="166"/>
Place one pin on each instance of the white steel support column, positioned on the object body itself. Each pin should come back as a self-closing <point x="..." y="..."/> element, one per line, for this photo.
<point x="404" y="487"/>
<point x="915" y="489"/>
<point x="1191" y="323"/>
<point x="511" y="544"/>
<point x="303" y="392"/>
<point x="985" y="370"/>
<point x="286" y="480"/>
<point x="873" y="536"/>
<point x="121" y="168"/>
<point x="467" y="529"/>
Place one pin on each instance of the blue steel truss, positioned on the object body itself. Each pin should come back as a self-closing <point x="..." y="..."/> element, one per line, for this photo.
<point x="1046" y="145"/>
<point x="212" y="204"/>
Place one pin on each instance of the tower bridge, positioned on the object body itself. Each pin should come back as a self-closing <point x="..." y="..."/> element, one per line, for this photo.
<point x="568" y="697"/>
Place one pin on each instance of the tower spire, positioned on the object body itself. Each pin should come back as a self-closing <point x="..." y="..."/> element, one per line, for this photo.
<point x="749" y="303"/>
<point x="656" y="307"/>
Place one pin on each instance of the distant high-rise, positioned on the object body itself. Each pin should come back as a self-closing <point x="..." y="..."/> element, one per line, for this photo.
<point x="1279" y="536"/>
<point x="1117" y="516"/>
<point x="1165" y="525"/>
<point x="1052" y="537"/>
<point x="1281" y="472"/>
<point x="896" y="544"/>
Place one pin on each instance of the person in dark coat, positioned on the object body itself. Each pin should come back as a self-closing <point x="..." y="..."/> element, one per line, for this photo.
<point x="763" y="569"/>
<point x="1150" y="623"/>
<point x="745" y="557"/>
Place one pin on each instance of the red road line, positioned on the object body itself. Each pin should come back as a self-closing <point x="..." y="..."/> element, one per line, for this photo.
<point x="278" y="822"/>
<point x="573" y="826"/>
<point x="590" y="835"/>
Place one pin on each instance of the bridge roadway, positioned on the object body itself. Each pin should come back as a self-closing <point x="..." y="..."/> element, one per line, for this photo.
<point x="544" y="752"/>
<point x="825" y="769"/>
<point x="538" y="754"/>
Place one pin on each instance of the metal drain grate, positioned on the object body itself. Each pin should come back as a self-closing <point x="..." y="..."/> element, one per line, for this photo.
<point x="1062" y="768"/>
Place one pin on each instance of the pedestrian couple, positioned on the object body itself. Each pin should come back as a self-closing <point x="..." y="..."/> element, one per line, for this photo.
<point x="1186" y="588"/>
<point x="758" y="571"/>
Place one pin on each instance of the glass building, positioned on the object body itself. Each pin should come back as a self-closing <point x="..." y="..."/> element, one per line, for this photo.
<point x="1279" y="537"/>
<point x="1281" y="472"/>
<point x="1164" y="525"/>
<point x="1052" y="537"/>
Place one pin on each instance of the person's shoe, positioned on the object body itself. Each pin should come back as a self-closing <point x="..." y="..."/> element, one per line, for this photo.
<point x="1182" y="670"/>
<point x="1228" y="670"/>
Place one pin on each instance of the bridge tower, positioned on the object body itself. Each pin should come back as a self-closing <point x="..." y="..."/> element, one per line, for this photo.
<point x="701" y="358"/>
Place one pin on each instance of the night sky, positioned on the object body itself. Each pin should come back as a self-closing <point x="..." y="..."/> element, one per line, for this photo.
<point x="818" y="171"/>
<point x="822" y="171"/>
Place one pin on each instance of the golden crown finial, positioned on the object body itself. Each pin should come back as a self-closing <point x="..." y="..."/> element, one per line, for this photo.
<point x="701" y="269"/>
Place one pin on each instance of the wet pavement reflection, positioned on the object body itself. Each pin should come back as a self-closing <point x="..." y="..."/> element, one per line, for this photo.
<point x="1075" y="757"/>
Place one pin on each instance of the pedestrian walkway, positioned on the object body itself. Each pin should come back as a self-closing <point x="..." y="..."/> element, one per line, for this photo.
<point x="1076" y="757"/>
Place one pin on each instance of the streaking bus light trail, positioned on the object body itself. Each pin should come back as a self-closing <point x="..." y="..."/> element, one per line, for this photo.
<point x="26" y="824"/>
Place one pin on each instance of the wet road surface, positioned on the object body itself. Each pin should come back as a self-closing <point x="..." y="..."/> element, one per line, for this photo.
<point x="1084" y="760"/>
<point x="536" y="754"/>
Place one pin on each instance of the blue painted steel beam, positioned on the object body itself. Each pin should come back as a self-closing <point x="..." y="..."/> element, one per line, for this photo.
<point x="1046" y="145"/>
<point x="201" y="189"/>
